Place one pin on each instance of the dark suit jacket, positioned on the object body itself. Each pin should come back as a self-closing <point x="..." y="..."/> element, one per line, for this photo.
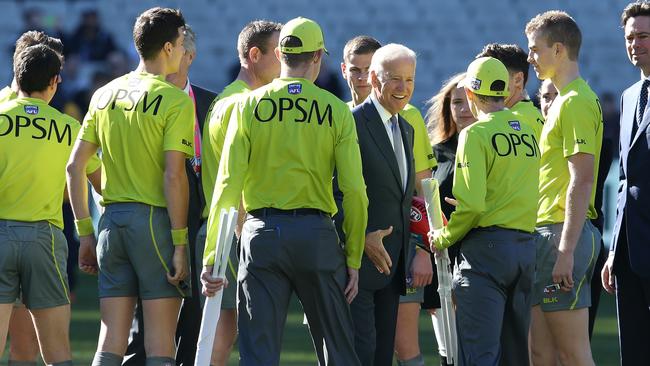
<point x="633" y="203"/>
<point x="189" y="321"/>
<point x="389" y="205"/>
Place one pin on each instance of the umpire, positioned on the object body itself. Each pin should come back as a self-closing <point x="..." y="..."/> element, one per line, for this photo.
<point x="281" y="153"/>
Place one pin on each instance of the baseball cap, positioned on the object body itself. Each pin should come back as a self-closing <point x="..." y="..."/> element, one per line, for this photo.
<point x="307" y="31"/>
<point x="487" y="76"/>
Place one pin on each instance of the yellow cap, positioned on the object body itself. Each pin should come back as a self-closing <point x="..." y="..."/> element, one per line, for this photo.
<point x="487" y="76"/>
<point x="308" y="33"/>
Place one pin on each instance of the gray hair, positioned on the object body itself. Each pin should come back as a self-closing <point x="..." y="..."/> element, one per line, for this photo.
<point x="390" y="52"/>
<point x="190" y="39"/>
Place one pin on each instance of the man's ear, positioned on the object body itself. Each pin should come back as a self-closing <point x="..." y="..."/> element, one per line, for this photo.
<point x="254" y="54"/>
<point x="343" y="69"/>
<point x="518" y="78"/>
<point x="168" y="47"/>
<point x="374" y="79"/>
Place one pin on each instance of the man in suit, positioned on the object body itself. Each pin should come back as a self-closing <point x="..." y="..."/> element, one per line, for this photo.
<point x="386" y="144"/>
<point x="627" y="270"/>
<point x="189" y="320"/>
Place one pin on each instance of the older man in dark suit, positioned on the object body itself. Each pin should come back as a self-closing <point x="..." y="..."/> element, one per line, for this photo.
<point x="189" y="320"/>
<point x="627" y="270"/>
<point x="386" y="144"/>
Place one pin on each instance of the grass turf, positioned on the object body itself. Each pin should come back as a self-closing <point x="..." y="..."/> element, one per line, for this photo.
<point x="297" y="348"/>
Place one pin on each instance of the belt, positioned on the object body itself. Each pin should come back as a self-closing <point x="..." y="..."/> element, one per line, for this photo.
<point x="269" y="211"/>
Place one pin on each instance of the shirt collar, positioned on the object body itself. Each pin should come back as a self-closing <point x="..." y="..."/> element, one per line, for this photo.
<point x="187" y="87"/>
<point x="383" y="113"/>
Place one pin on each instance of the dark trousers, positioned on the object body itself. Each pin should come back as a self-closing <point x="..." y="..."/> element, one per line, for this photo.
<point x="375" y="316"/>
<point x="493" y="291"/>
<point x="633" y="307"/>
<point x="281" y="254"/>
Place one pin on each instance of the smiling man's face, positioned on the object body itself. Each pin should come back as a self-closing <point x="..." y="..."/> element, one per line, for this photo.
<point x="394" y="85"/>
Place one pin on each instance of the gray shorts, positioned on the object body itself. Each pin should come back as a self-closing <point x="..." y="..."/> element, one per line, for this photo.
<point x="413" y="294"/>
<point x="135" y="251"/>
<point x="229" y="300"/>
<point x="33" y="258"/>
<point x="584" y="260"/>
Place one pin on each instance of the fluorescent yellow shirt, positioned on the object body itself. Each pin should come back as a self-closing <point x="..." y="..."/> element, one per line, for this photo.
<point x="530" y="115"/>
<point x="35" y="143"/>
<point x="496" y="177"/>
<point x="422" y="149"/>
<point x="281" y="148"/>
<point x="134" y="119"/>
<point x="7" y="94"/>
<point x="214" y="134"/>
<point x="574" y="125"/>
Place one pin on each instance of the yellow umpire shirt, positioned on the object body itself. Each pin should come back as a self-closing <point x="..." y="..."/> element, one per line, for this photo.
<point x="574" y="125"/>
<point x="214" y="134"/>
<point x="283" y="142"/>
<point x="135" y="119"/>
<point x="529" y="114"/>
<point x="496" y="177"/>
<point x="35" y="143"/>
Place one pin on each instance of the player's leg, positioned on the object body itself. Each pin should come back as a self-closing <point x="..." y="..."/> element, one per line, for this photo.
<point x="116" y="316"/>
<point x="540" y="341"/>
<point x="263" y="289"/>
<point x="569" y="333"/>
<point x="567" y="314"/>
<point x="407" y="347"/>
<point x="53" y="330"/>
<point x="23" y="345"/>
<point x="117" y="283"/>
<point x="45" y="292"/>
<point x="160" y="317"/>
<point x="153" y="251"/>
<point x="5" y="315"/>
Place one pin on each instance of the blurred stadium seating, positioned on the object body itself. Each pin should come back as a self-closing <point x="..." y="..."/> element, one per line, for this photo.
<point x="446" y="34"/>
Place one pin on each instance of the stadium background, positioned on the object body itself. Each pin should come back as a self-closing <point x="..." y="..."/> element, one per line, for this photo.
<point x="446" y="34"/>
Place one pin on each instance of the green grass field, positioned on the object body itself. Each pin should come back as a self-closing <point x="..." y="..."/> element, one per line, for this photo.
<point x="297" y="348"/>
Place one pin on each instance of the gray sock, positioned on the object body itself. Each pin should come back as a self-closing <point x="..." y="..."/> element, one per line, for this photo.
<point x="63" y="363"/>
<point x="21" y="363"/>
<point x="160" y="361"/>
<point x="415" y="361"/>
<point x="107" y="359"/>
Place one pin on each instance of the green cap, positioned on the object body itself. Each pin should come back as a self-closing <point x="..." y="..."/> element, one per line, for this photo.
<point x="307" y="31"/>
<point x="487" y="76"/>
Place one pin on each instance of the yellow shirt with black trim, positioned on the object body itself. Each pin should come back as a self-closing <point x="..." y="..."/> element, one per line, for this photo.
<point x="214" y="134"/>
<point x="35" y="144"/>
<point x="135" y="119"/>
<point x="422" y="148"/>
<point x="574" y="125"/>
<point x="496" y="177"/>
<point x="282" y="145"/>
<point x="529" y="114"/>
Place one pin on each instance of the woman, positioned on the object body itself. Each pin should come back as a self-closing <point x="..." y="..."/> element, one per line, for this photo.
<point x="448" y="114"/>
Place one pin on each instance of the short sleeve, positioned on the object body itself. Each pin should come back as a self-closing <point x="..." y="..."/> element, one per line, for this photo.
<point x="179" y="127"/>
<point x="579" y="124"/>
